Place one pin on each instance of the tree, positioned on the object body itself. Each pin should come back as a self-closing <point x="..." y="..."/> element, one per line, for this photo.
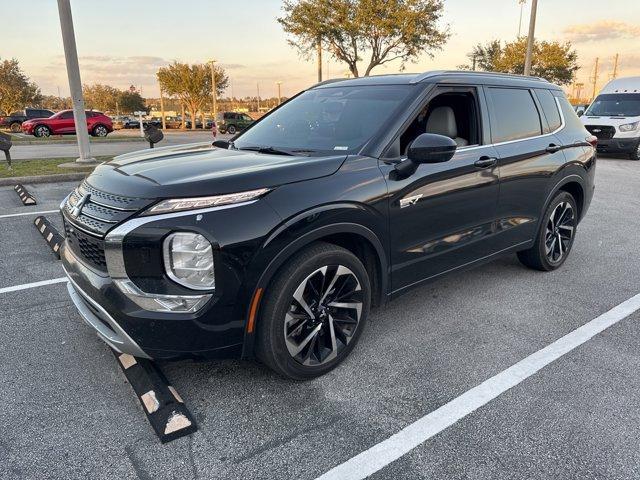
<point x="101" y="97"/>
<point x="16" y="91"/>
<point x="387" y="30"/>
<point x="484" y="57"/>
<point x="53" y="102"/>
<point x="191" y="84"/>
<point x="554" y="61"/>
<point x="129" y="102"/>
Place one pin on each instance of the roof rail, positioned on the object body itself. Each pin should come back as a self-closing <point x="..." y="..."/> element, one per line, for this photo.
<point x="424" y="76"/>
<point x="326" y="82"/>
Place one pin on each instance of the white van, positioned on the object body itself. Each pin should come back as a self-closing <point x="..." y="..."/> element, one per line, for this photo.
<point x="614" y="117"/>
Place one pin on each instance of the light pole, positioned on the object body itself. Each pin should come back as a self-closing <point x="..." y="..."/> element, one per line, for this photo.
<point x="75" y="83"/>
<point x="213" y="89"/>
<point x="521" y="2"/>
<point x="530" y="37"/>
<point x="279" y="96"/>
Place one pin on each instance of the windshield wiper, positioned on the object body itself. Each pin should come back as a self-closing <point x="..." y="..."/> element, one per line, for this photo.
<point x="269" y="150"/>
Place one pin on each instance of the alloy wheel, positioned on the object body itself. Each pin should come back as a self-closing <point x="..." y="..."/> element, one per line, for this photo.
<point x="42" y="132"/>
<point x="559" y="232"/>
<point x="323" y="316"/>
<point x="100" y="131"/>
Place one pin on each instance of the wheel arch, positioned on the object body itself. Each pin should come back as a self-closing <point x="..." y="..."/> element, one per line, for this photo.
<point x="357" y="238"/>
<point x="573" y="184"/>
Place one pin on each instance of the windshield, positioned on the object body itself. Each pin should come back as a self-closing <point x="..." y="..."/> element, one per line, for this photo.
<point x="616" y="105"/>
<point x="340" y="119"/>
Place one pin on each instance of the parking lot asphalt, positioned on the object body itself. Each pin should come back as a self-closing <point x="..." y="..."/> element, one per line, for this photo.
<point x="67" y="411"/>
<point x="60" y="150"/>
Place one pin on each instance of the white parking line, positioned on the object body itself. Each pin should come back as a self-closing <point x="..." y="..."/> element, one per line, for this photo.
<point x="25" y="286"/>
<point x="28" y="213"/>
<point x="389" y="450"/>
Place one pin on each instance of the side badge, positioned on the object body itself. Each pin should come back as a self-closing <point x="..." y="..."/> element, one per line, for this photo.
<point x="408" y="201"/>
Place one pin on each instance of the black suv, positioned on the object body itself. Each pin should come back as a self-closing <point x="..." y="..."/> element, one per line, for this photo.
<point x="14" y="120"/>
<point x="276" y="244"/>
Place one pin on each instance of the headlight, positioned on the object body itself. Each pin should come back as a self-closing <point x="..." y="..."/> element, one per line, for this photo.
<point x="629" y="127"/>
<point x="178" y="204"/>
<point x="188" y="260"/>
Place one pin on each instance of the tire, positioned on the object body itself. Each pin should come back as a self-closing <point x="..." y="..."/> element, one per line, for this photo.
<point x="41" y="131"/>
<point x="635" y="155"/>
<point x="301" y="345"/>
<point x="15" y="127"/>
<point x="100" y="131"/>
<point x="555" y="236"/>
<point x="231" y="129"/>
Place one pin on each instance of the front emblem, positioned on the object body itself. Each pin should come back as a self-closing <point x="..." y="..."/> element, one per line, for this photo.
<point x="77" y="210"/>
<point x="408" y="201"/>
<point x="596" y="130"/>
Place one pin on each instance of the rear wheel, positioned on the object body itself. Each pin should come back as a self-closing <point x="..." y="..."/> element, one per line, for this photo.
<point x="42" y="131"/>
<point x="555" y="236"/>
<point x="100" y="131"/>
<point x="15" y="127"/>
<point x="314" y="312"/>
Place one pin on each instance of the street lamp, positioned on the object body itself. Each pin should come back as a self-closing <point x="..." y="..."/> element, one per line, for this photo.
<point x="530" y="37"/>
<point x="279" y="96"/>
<point x="213" y="89"/>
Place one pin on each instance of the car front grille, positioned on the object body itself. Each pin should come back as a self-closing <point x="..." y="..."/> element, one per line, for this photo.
<point x="603" y="132"/>
<point x="89" y="214"/>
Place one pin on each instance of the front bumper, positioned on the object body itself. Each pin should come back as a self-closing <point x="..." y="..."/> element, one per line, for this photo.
<point x="128" y="329"/>
<point x="618" y="145"/>
<point x="104" y="324"/>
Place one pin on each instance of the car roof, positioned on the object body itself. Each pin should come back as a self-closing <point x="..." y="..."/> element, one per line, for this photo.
<point x="622" y="85"/>
<point x="443" y="76"/>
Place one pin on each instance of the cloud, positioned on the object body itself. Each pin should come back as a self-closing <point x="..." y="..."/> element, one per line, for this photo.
<point x="601" y="30"/>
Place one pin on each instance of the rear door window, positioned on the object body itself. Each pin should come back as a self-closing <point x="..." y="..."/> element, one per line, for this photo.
<point x="550" y="109"/>
<point x="514" y="114"/>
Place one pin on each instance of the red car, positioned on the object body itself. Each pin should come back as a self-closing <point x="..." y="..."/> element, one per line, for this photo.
<point x="98" y="124"/>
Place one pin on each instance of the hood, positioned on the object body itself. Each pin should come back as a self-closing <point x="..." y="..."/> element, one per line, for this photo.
<point x="200" y="169"/>
<point x="606" y="120"/>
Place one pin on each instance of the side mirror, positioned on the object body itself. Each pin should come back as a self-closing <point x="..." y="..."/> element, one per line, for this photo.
<point x="431" y="148"/>
<point x="427" y="148"/>
<point x="221" y="144"/>
<point x="580" y="113"/>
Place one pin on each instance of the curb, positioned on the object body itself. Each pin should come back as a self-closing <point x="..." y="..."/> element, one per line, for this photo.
<point x="58" y="177"/>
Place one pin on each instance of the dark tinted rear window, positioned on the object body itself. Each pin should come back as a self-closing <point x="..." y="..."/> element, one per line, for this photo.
<point x="571" y="119"/>
<point x="550" y="109"/>
<point x="514" y="114"/>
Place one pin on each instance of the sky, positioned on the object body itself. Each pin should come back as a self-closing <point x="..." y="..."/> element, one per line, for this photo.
<point x="124" y="42"/>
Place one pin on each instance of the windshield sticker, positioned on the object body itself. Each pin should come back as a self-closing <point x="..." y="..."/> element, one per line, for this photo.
<point x="340" y="147"/>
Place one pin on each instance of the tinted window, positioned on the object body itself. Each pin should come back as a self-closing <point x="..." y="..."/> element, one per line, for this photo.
<point x="514" y="114"/>
<point x="616" y="104"/>
<point x="550" y="109"/>
<point x="66" y="115"/>
<point x="329" y="119"/>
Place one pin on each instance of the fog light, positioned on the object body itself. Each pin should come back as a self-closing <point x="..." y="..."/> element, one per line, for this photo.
<point x="162" y="303"/>
<point x="188" y="260"/>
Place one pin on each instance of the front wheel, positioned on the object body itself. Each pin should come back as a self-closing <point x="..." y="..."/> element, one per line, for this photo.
<point x="555" y="236"/>
<point x="635" y="155"/>
<point x="15" y="127"/>
<point x="314" y="312"/>
<point x="231" y="129"/>
<point x="42" y="131"/>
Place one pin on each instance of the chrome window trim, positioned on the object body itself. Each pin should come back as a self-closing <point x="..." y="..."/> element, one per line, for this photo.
<point x="507" y="142"/>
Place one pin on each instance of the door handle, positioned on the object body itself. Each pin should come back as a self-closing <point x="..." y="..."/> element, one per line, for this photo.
<point x="486" y="162"/>
<point x="553" y="148"/>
